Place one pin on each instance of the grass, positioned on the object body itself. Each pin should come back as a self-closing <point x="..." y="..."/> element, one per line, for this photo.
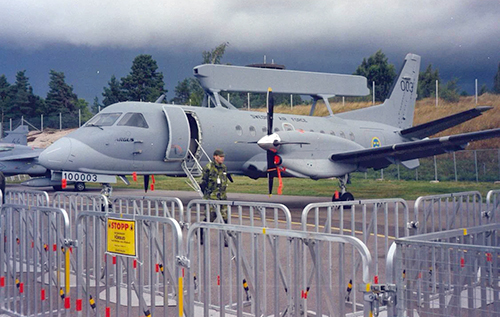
<point x="360" y="187"/>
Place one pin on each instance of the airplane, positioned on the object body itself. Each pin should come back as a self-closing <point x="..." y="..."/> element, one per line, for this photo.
<point x="139" y="138"/>
<point x="16" y="157"/>
<point x="17" y="136"/>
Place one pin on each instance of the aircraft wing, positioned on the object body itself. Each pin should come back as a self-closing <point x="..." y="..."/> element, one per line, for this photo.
<point x="21" y="156"/>
<point x="430" y="128"/>
<point x="382" y="156"/>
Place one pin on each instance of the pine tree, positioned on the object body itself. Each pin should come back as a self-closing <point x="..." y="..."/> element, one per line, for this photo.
<point x="113" y="93"/>
<point x="60" y="98"/>
<point x="427" y="83"/>
<point x="377" y="69"/>
<point x="143" y="83"/>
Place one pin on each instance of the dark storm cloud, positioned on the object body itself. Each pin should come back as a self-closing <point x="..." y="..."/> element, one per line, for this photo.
<point x="307" y="35"/>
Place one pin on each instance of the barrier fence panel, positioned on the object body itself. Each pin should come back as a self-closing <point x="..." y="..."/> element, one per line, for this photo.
<point x="137" y="269"/>
<point x="241" y="213"/>
<point x="221" y="284"/>
<point x="493" y="206"/>
<point x="27" y="197"/>
<point x="149" y="206"/>
<point x="449" y="273"/>
<point x="447" y="211"/>
<point x="375" y="222"/>
<point x="34" y="261"/>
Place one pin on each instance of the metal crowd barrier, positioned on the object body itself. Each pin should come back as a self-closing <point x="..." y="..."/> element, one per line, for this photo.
<point x="376" y="222"/>
<point x="448" y="273"/>
<point x="447" y="212"/>
<point x="492" y="213"/>
<point x="34" y="260"/>
<point x="128" y="284"/>
<point x="27" y="197"/>
<point x="149" y="206"/>
<point x="240" y="212"/>
<point x="221" y="283"/>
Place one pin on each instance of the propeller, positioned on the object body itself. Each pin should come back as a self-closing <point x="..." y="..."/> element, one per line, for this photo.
<point x="146" y="183"/>
<point x="271" y="166"/>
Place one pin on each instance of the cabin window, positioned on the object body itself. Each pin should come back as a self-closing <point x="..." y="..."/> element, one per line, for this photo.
<point x="264" y="130"/>
<point x="332" y="133"/>
<point x="239" y="130"/>
<point x="342" y="134"/>
<point x="322" y="131"/>
<point x="276" y="130"/>
<point x="103" y="119"/>
<point x="351" y="135"/>
<point x="252" y="130"/>
<point x="133" y="119"/>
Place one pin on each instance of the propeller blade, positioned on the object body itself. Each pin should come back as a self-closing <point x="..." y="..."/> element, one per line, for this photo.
<point x="270" y="111"/>
<point x="146" y="183"/>
<point x="270" y="183"/>
<point x="270" y="170"/>
<point x="276" y="143"/>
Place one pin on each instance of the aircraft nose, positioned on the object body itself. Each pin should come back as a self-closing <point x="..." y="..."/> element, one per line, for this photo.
<point x="55" y="156"/>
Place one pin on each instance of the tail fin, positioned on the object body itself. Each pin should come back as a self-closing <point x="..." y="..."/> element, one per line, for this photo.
<point x="398" y="109"/>
<point x="17" y="136"/>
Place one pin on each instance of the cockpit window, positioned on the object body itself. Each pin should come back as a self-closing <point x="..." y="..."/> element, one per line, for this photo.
<point x="103" y="119"/>
<point x="133" y="119"/>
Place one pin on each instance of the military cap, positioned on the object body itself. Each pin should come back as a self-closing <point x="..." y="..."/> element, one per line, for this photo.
<point x="218" y="152"/>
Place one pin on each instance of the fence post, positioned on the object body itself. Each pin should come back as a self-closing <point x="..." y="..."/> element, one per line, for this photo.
<point x="455" y="166"/>
<point x="435" y="169"/>
<point x="475" y="165"/>
<point x="60" y="121"/>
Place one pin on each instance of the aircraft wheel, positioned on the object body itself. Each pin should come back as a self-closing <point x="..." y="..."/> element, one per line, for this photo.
<point x="79" y="186"/>
<point x="346" y="197"/>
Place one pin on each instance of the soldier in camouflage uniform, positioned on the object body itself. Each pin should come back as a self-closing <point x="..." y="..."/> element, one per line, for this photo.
<point x="214" y="183"/>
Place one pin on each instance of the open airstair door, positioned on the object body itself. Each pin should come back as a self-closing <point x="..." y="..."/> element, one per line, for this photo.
<point x="179" y="133"/>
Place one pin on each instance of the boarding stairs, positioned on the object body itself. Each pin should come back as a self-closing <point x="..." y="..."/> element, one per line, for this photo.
<point x="192" y="167"/>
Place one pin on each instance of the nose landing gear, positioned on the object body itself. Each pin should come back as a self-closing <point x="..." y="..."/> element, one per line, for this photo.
<point x="343" y="195"/>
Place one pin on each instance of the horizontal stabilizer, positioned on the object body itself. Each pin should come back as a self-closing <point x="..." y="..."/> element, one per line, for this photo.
<point x="430" y="128"/>
<point x="385" y="155"/>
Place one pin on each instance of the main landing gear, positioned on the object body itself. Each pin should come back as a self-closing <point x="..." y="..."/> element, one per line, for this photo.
<point x="343" y="195"/>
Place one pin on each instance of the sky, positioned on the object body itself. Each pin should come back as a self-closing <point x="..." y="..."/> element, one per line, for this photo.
<point x="90" y="41"/>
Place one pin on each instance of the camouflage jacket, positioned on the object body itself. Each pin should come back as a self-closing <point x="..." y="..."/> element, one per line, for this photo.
<point x="214" y="181"/>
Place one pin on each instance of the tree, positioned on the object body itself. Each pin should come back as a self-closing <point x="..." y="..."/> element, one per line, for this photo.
<point x="377" y="69"/>
<point x="449" y="91"/>
<point x="182" y="92"/>
<point x="96" y="105"/>
<point x="4" y="94"/>
<point x="113" y="93"/>
<point x="189" y="90"/>
<point x="143" y="83"/>
<point x="215" y="55"/>
<point x="496" y="81"/>
<point x="427" y="83"/>
<point x="60" y="98"/>
<point x="483" y="90"/>
<point x="83" y="106"/>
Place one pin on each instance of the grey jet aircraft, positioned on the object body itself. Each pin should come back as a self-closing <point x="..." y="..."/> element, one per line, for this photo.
<point x="18" y="158"/>
<point x="154" y="138"/>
